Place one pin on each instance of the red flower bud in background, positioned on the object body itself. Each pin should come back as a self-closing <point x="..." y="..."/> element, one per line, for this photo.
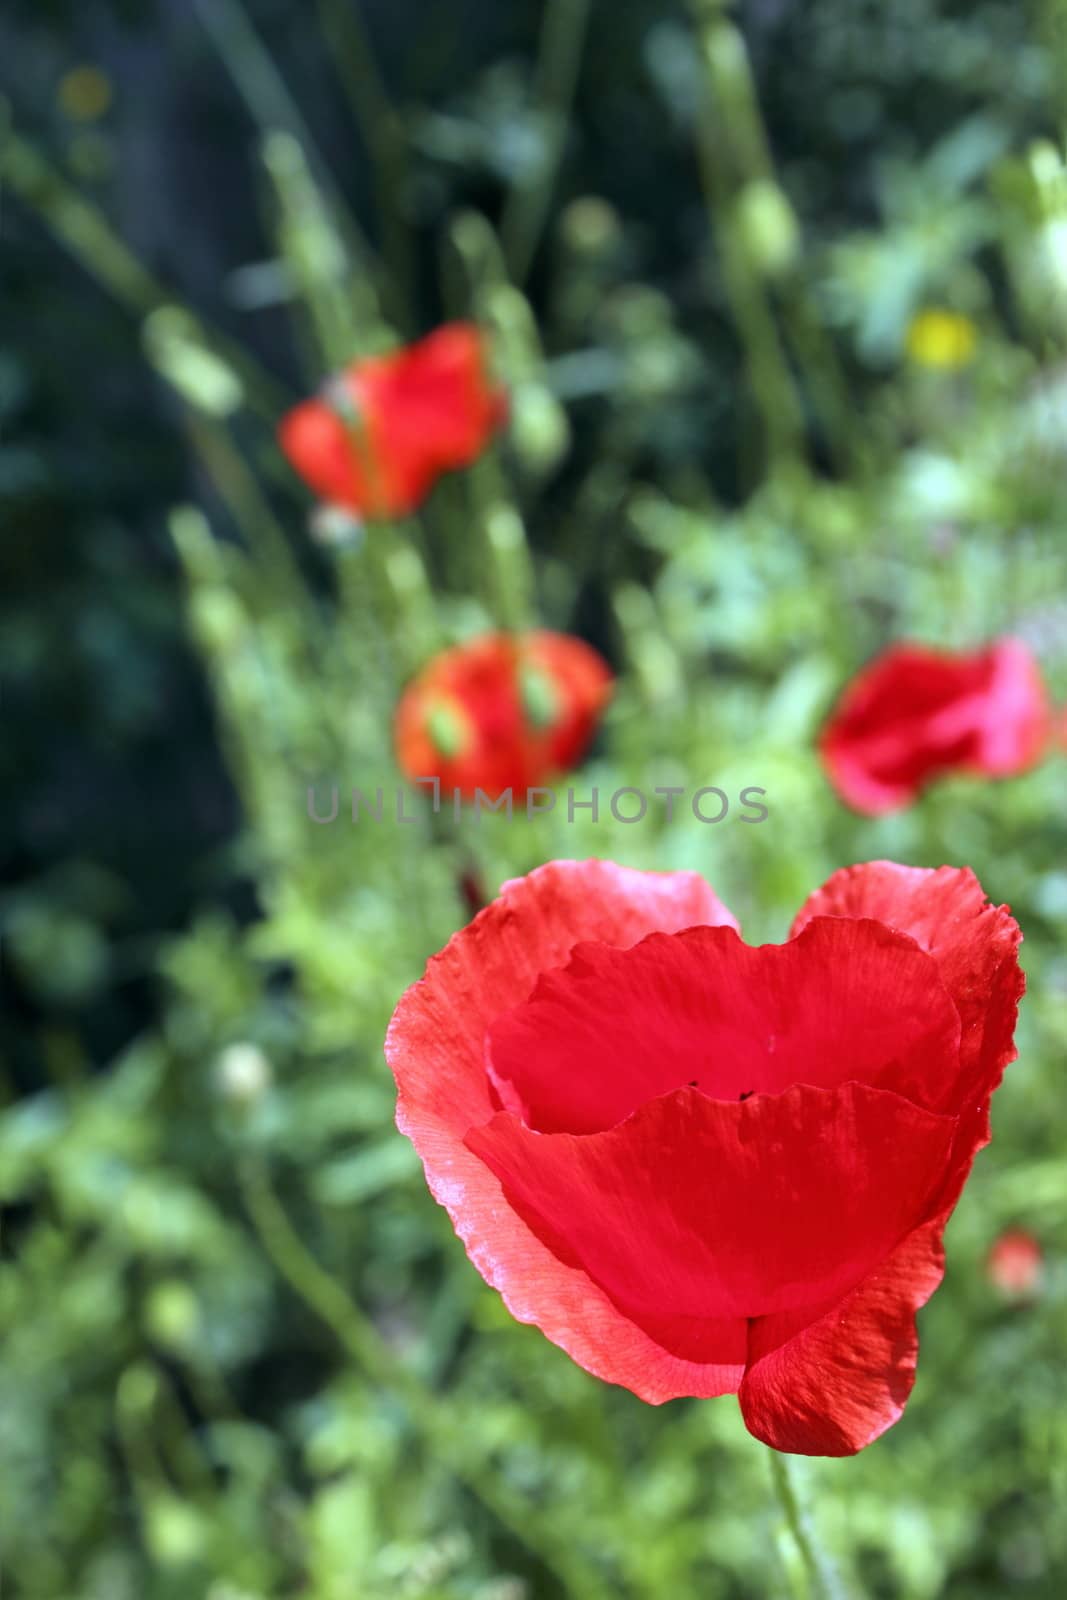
<point x="915" y="713"/>
<point x="502" y="712"/>
<point x="384" y="430"/>
<point x="706" y="1168"/>
<point x="1015" y="1265"/>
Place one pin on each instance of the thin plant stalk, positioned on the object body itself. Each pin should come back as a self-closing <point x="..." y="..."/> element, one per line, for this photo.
<point x="83" y="230"/>
<point x="272" y="107"/>
<point x="526" y="209"/>
<point x="442" y="1431"/>
<point x="346" y="33"/>
<point x="251" y="510"/>
<point x="742" y="132"/>
<point x="821" y="1579"/>
<point x="769" y="375"/>
<point x="507" y="574"/>
<point x="337" y="295"/>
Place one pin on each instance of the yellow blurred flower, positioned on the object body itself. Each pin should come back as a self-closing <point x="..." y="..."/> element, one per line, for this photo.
<point x="84" y="93"/>
<point x="943" y="339"/>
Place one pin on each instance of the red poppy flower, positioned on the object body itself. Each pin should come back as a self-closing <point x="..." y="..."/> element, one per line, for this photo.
<point x="915" y="713"/>
<point x="384" y="430"/>
<point x="705" y="1168"/>
<point x="1015" y="1264"/>
<point x="502" y="712"/>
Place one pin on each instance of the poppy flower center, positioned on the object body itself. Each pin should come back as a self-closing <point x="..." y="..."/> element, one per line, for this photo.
<point x="540" y="699"/>
<point x="843" y="1001"/>
<point x="448" y="728"/>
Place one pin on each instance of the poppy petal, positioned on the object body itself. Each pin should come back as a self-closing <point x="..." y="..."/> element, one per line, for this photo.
<point x="488" y="681"/>
<point x="1017" y="727"/>
<point x="833" y="1386"/>
<point x="445" y="402"/>
<point x="435" y="1047"/>
<point x="844" y="1000"/>
<point x="723" y="1209"/>
<point x="975" y="944"/>
<point x="319" y="446"/>
<point x="976" y="947"/>
<point x="392" y="423"/>
<point x="915" y="713"/>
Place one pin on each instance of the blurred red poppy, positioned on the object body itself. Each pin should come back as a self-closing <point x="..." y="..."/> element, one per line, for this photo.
<point x="502" y="712"/>
<point x="1016" y="1265"/>
<point x="383" y="431"/>
<point x="706" y="1168"/>
<point x="915" y="713"/>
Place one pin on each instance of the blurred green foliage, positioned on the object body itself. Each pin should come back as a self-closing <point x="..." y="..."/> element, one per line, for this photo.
<point x="244" y="1355"/>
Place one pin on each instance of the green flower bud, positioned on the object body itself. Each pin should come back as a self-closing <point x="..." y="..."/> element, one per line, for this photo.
<point x="540" y="698"/>
<point x="539" y="428"/>
<point x="174" y="1531"/>
<point x="219" y="619"/>
<point x="446" y="730"/>
<point x="726" y="55"/>
<point x="172" y="1315"/>
<point x="591" y="226"/>
<point x="768" y="227"/>
<point x="243" y="1074"/>
<point x="175" y="347"/>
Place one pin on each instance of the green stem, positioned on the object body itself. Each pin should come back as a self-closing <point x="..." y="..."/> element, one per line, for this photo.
<point x="272" y="107"/>
<point x="240" y="491"/>
<point x="725" y="117"/>
<point x="367" y="613"/>
<point x="341" y="300"/>
<point x="442" y="1430"/>
<point x="830" y="398"/>
<point x="822" y="1581"/>
<point x="346" y="33"/>
<point x="508" y="577"/>
<point x="562" y="39"/>
<point x="84" y="231"/>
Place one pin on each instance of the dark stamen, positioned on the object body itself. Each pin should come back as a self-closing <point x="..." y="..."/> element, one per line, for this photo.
<point x="746" y="1094"/>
